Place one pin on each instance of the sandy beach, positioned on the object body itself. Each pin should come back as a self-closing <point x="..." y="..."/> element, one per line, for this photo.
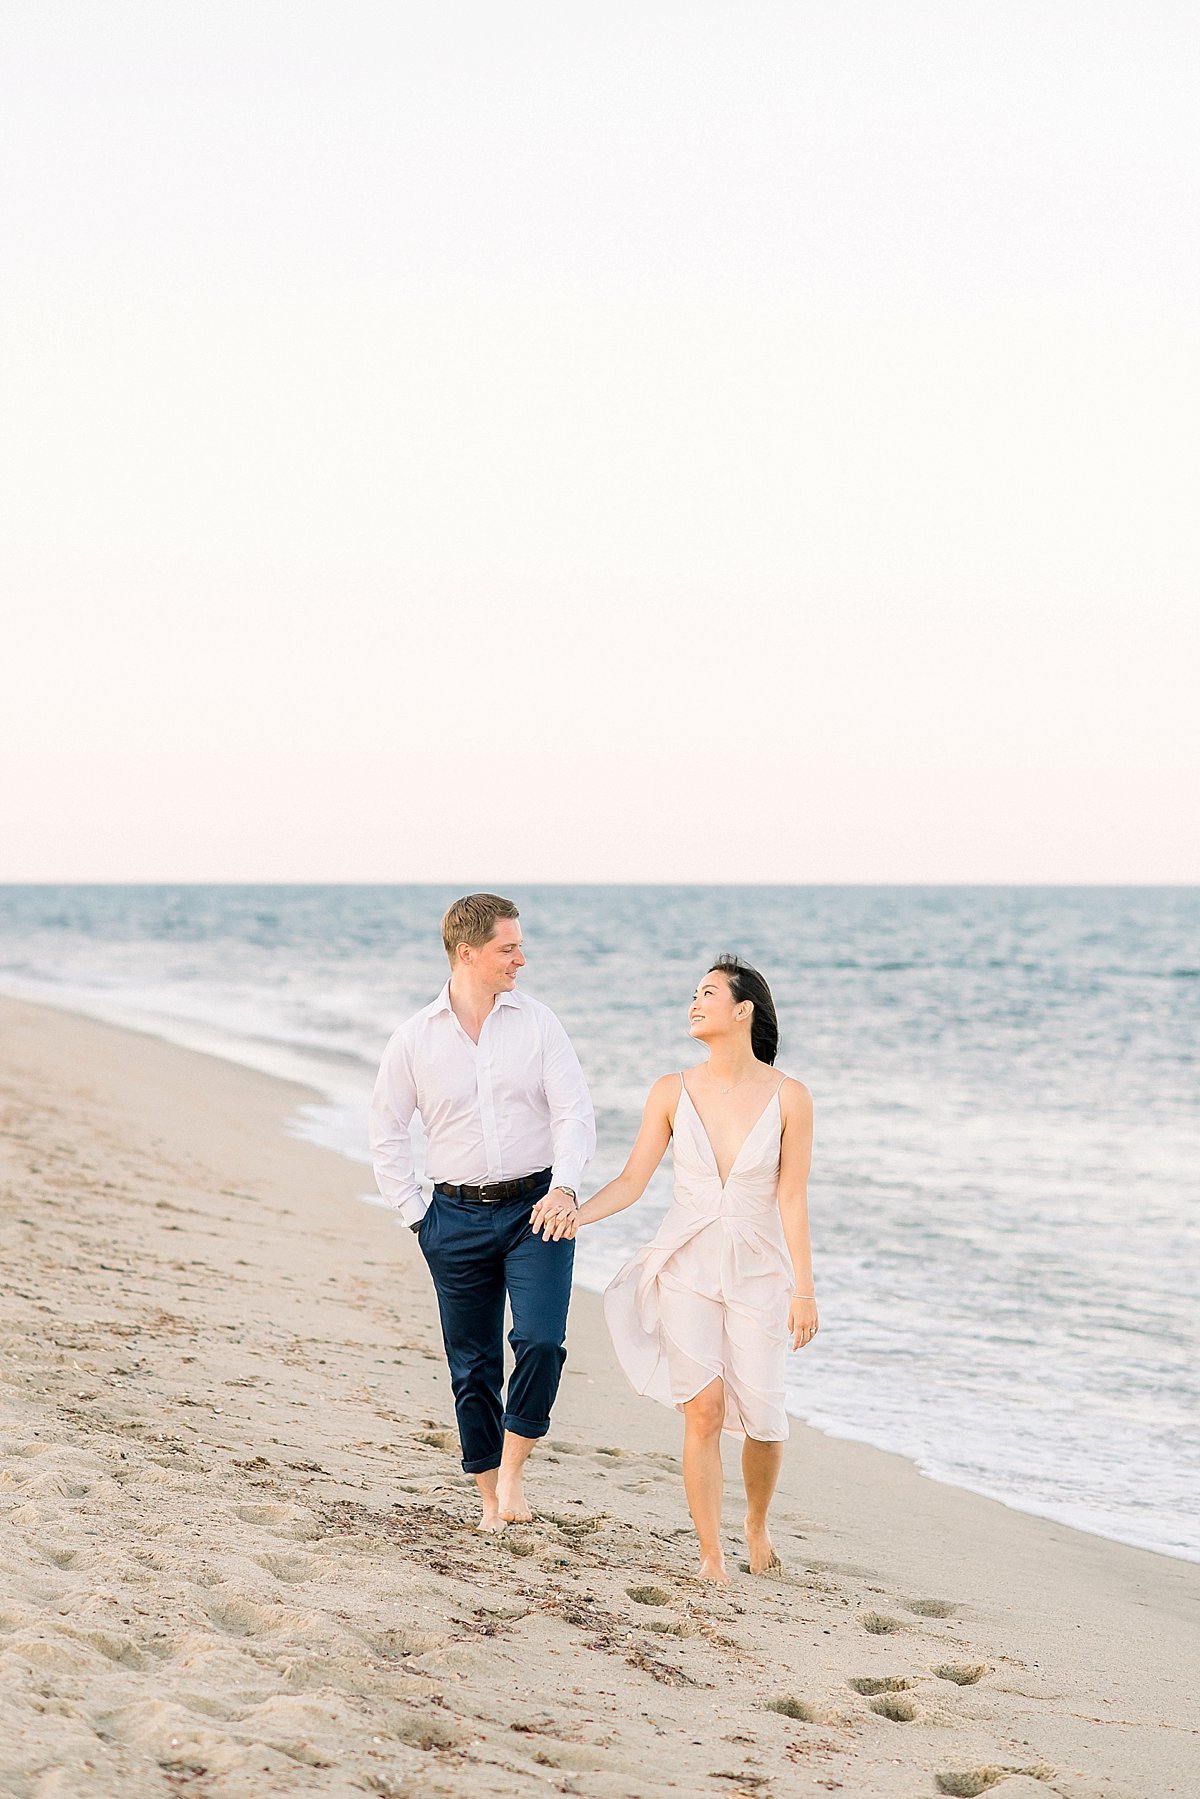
<point x="237" y="1555"/>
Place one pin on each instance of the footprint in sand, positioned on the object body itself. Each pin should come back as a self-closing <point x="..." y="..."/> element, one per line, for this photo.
<point x="54" y="1656"/>
<point x="205" y="1706"/>
<point x="963" y="1674"/>
<point x="494" y="1615"/>
<point x="286" y="1520"/>
<point x="580" y="1757"/>
<point x="880" y="1624"/>
<point x="395" y="1645"/>
<point x="261" y="1514"/>
<point x="67" y="1558"/>
<point x="243" y="1618"/>
<point x="584" y="1526"/>
<point x="882" y="1683"/>
<point x="800" y="1709"/>
<point x="932" y="1608"/>
<point x="426" y="1732"/>
<point x="291" y="1569"/>
<point x="853" y="1569"/>
<point x="116" y="1648"/>
<point x="894" y="1706"/>
<point x="968" y="1783"/>
<point x="648" y="1595"/>
<point x="438" y="1439"/>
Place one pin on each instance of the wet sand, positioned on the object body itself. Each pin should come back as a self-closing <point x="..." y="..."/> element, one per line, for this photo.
<point x="236" y="1547"/>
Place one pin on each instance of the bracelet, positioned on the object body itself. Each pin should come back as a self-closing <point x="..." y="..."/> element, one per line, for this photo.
<point x="804" y="1296"/>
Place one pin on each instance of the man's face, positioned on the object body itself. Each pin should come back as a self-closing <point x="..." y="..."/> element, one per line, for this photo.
<point x="496" y="963"/>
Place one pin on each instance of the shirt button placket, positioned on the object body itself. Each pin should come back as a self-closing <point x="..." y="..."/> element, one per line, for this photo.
<point x="487" y="1104"/>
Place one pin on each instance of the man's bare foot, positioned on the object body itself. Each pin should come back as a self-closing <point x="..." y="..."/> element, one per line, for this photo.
<point x="511" y="1501"/>
<point x="712" y="1569"/>
<point x="763" y="1559"/>
<point x="490" y="1520"/>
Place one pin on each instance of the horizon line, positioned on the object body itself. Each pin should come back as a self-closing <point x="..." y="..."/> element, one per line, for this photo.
<point x="467" y="887"/>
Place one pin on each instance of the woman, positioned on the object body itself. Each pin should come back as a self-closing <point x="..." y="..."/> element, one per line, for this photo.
<point x="702" y="1316"/>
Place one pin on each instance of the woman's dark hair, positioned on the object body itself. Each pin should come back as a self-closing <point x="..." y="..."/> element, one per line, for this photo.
<point x="746" y="983"/>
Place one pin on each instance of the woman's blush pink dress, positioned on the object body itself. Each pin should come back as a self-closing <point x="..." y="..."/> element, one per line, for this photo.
<point x="709" y="1296"/>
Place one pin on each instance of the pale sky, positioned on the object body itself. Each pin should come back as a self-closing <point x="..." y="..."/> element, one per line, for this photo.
<point x="497" y="443"/>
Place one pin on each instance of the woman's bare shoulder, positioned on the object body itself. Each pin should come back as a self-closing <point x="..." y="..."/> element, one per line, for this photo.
<point x="794" y="1097"/>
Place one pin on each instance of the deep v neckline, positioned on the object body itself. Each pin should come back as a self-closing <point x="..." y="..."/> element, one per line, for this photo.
<point x="708" y="1140"/>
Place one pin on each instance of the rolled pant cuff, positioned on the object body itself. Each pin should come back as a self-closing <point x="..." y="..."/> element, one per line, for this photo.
<point x="525" y="1427"/>
<point x="480" y="1464"/>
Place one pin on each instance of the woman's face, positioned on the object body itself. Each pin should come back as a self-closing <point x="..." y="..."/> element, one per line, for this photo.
<point x="711" y="1011"/>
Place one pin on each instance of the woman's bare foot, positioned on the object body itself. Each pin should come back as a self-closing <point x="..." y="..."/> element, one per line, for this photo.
<point x="763" y="1559"/>
<point x="510" y="1498"/>
<point x="712" y="1569"/>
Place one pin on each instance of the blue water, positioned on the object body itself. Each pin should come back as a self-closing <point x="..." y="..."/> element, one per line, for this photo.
<point x="1007" y="1161"/>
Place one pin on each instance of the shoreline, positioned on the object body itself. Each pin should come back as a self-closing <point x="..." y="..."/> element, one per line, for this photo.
<point x="260" y="1349"/>
<point x="304" y="1069"/>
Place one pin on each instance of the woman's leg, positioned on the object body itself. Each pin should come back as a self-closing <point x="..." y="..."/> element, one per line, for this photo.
<point x="703" y="1476"/>
<point x="761" y="1463"/>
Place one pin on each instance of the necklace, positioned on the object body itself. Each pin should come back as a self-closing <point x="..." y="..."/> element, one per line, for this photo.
<point x="734" y="1084"/>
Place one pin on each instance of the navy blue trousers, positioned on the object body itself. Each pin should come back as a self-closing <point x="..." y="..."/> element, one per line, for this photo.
<point x="478" y="1254"/>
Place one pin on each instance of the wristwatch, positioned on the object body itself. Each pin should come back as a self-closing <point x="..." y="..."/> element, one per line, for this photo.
<point x="571" y="1195"/>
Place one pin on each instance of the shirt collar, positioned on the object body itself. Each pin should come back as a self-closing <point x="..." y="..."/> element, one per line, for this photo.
<point x="442" y="1002"/>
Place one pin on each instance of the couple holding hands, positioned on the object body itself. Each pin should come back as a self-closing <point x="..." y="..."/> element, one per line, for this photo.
<point x="701" y="1318"/>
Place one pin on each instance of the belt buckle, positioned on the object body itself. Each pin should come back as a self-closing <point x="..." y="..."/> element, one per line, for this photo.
<point x="489" y="1192"/>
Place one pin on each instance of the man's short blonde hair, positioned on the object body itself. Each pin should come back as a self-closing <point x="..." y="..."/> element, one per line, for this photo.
<point x="470" y="920"/>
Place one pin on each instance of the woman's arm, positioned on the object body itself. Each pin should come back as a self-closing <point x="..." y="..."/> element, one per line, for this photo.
<point x="647" y="1152"/>
<point x="653" y="1136"/>
<point x="795" y="1158"/>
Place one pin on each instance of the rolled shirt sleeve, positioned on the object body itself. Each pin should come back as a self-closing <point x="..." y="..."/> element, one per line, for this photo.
<point x="572" y="1119"/>
<point x="392" y="1106"/>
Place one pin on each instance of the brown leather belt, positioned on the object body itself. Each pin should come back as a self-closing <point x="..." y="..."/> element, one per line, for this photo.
<point x="495" y="1191"/>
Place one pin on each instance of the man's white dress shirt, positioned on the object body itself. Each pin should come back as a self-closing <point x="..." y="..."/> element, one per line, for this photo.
<point x="507" y="1106"/>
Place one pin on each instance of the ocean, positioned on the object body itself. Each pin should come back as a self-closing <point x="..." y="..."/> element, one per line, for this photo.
<point x="1006" y="1171"/>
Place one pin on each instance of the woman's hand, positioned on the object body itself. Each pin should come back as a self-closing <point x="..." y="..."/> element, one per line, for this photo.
<point x="554" y="1216"/>
<point x="802" y="1320"/>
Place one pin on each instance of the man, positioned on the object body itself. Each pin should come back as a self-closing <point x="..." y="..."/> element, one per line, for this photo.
<point x="509" y="1123"/>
